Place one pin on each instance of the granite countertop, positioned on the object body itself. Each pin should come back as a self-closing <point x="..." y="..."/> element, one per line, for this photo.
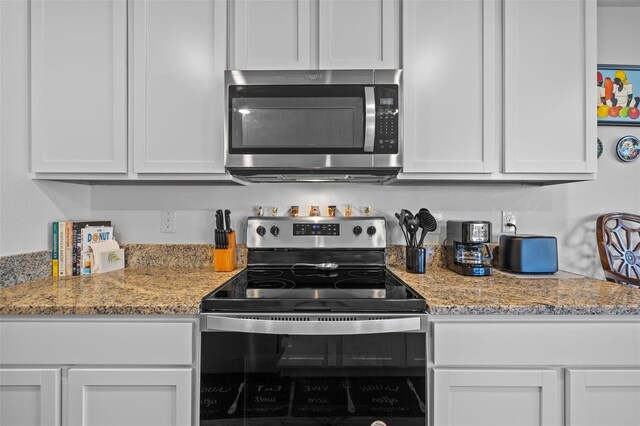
<point x="178" y="290"/>
<point x="136" y="290"/>
<point x="448" y="293"/>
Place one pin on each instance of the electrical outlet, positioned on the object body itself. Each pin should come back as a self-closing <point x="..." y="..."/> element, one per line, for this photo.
<point x="439" y="217"/>
<point x="508" y="217"/>
<point x="168" y="221"/>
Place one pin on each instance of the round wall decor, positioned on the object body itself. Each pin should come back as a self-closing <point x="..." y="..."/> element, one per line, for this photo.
<point x="628" y="148"/>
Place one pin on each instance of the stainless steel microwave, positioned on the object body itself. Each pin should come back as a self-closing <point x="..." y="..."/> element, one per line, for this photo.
<point x="313" y="125"/>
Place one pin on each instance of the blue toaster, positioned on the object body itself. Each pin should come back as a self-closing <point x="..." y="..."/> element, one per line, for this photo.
<point x="528" y="254"/>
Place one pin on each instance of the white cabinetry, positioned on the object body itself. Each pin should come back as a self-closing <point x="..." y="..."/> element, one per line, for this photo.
<point x="126" y="371"/>
<point x="129" y="397"/>
<point x="304" y="34"/>
<point x="549" y="86"/>
<point x="524" y="370"/>
<point x="603" y="397"/>
<point x="79" y="86"/>
<point x="357" y="34"/>
<point x="495" y="397"/>
<point x="271" y="34"/>
<point x="450" y="86"/>
<point x="178" y="60"/>
<point x="30" y="397"/>
<point x="500" y="99"/>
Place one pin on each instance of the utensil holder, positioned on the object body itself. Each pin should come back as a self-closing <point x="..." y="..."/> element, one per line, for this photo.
<point x="416" y="259"/>
<point x="226" y="260"/>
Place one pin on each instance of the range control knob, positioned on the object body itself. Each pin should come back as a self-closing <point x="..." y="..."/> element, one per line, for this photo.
<point x="371" y="230"/>
<point x="261" y="231"/>
<point x="357" y="230"/>
<point x="275" y="230"/>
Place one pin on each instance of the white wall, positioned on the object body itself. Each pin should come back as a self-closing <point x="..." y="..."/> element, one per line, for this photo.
<point x="567" y="211"/>
<point x="26" y="206"/>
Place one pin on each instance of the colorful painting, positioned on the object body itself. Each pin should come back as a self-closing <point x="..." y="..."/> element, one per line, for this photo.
<point x="618" y="95"/>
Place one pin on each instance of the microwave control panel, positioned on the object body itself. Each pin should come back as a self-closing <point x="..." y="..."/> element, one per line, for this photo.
<point x="386" y="137"/>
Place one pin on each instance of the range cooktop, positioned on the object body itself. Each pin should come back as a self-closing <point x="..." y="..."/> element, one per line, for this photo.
<point x="297" y="289"/>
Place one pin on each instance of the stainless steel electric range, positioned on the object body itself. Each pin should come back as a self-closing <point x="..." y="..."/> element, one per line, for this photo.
<point x="316" y="330"/>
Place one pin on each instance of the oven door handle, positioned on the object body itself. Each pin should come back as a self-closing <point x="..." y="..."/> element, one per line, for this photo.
<point x="305" y="328"/>
<point x="370" y="118"/>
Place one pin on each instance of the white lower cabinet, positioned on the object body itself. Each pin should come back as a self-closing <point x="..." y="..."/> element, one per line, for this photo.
<point x="129" y="397"/>
<point x="495" y="397"/>
<point x="535" y="370"/>
<point x="30" y="397"/>
<point x="97" y="371"/>
<point x="603" y="397"/>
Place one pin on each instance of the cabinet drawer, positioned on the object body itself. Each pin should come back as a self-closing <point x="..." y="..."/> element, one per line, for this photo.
<point x="531" y="343"/>
<point x="96" y="342"/>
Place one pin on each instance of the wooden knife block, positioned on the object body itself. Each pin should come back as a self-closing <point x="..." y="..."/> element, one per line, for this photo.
<point x="226" y="260"/>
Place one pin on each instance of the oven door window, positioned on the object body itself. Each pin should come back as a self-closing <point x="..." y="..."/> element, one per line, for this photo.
<point x="321" y="119"/>
<point x="258" y="379"/>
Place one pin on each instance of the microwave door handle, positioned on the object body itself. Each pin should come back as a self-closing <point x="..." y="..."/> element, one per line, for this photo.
<point x="369" y="118"/>
<point x="311" y="328"/>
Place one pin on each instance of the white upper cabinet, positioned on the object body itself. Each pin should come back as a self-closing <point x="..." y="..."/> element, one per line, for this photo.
<point x="305" y="34"/>
<point x="79" y="86"/>
<point x="270" y="34"/>
<point x="358" y="34"/>
<point x="177" y="69"/>
<point x="450" y="84"/>
<point x="549" y="86"/>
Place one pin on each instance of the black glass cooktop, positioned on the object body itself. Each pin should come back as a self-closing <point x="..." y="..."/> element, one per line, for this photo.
<point x="289" y="290"/>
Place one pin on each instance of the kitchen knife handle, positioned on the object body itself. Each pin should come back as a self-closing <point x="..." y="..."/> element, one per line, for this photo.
<point x="227" y="219"/>
<point x="219" y="219"/>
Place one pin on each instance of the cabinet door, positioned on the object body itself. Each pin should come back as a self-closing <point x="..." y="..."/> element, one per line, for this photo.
<point x="549" y="86"/>
<point x="79" y="86"/>
<point x="29" y="397"/>
<point x="603" y="397"/>
<point x="178" y="57"/>
<point x="270" y="34"/>
<point x="358" y="34"/>
<point x="495" y="397"/>
<point x="129" y="397"/>
<point x="450" y="86"/>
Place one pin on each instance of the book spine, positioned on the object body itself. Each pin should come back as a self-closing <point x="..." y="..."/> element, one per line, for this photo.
<point x="61" y="252"/>
<point x="54" y="249"/>
<point x="75" y="240"/>
<point x="68" y="266"/>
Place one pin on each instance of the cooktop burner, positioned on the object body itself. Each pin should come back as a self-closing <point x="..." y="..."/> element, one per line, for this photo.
<point x="341" y="290"/>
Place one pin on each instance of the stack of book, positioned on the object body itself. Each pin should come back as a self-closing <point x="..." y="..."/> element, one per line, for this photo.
<point x="70" y="245"/>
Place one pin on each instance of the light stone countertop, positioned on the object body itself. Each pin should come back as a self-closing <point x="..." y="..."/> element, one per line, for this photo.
<point x="170" y="290"/>
<point x="448" y="293"/>
<point x="129" y="291"/>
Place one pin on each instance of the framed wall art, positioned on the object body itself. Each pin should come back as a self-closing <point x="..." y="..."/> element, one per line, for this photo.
<point x="618" y="95"/>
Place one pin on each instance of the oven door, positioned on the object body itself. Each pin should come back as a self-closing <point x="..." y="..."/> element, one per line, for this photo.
<point x="299" y="369"/>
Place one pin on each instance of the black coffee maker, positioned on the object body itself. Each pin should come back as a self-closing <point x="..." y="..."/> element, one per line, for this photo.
<point x="466" y="248"/>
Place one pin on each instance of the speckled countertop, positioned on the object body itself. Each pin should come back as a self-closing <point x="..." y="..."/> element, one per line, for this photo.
<point x="171" y="290"/>
<point x="141" y="290"/>
<point x="145" y="287"/>
<point x="449" y="293"/>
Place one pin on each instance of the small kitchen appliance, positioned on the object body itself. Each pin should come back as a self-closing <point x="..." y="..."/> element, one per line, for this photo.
<point x="315" y="330"/>
<point x="313" y="125"/>
<point x="467" y="252"/>
<point x="528" y="254"/>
